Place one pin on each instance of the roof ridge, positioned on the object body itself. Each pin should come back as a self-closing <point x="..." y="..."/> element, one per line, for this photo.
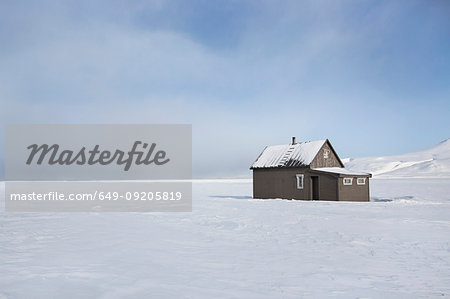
<point x="299" y="142"/>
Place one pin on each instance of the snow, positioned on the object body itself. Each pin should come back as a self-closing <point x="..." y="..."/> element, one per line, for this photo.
<point x="431" y="162"/>
<point x="339" y="170"/>
<point x="233" y="246"/>
<point x="288" y="154"/>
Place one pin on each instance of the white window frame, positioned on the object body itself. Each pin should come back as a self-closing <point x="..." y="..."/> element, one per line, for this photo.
<point x="358" y="181"/>
<point x="300" y="181"/>
<point x="326" y="153"/>
<point x="347" y="184"/>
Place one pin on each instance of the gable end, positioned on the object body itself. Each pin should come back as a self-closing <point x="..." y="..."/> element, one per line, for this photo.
<point x="326" y="157"/>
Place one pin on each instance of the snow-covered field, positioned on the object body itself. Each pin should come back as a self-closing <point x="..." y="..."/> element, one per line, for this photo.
<point x="232" y="246"/>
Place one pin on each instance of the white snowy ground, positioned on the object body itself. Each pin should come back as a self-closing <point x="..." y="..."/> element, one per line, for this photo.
<point x="235" y="247"/>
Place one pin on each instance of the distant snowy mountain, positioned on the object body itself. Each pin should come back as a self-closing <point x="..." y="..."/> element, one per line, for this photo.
<point x="431" y="162"/>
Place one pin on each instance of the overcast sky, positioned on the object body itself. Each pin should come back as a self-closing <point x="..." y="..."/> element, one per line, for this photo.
<point x="371" y="76"/>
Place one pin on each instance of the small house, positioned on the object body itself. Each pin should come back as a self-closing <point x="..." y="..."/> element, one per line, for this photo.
<point x="308" y="171"/>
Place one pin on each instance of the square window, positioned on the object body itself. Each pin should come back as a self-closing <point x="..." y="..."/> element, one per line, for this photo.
<point x="348" y="181"/>
<point x="361" y="181"/>
<point x="299" y="181"/>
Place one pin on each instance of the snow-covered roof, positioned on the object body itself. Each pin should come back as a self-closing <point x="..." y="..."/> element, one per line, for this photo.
<point x="339" y="170"/>
<point x="288" y="155"/>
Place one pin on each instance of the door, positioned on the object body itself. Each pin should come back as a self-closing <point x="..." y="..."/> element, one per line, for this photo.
<point x="315" y="188"/>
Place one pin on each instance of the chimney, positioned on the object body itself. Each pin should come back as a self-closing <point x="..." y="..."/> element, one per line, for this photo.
<point x="293" y="140"/>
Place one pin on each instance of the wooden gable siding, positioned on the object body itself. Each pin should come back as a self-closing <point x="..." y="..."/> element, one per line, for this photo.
<point x="332" y="160"/>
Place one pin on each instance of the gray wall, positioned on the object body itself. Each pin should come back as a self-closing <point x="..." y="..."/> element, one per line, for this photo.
<point x="279" y="183"/>
<point x="328" y="187"/>
<point x="282" y="183"/>
<point x="353" y="192"/>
